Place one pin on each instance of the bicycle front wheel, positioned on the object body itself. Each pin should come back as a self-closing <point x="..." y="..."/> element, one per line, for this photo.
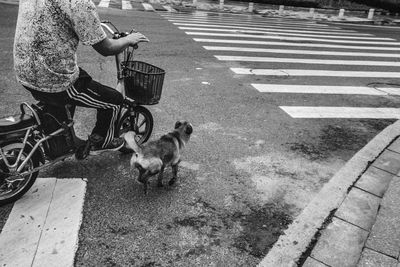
<point x="138" y="119"/>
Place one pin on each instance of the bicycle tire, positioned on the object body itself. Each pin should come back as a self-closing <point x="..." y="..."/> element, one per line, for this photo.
<point x="34" y="162"/>
<point x="134" y="119"/>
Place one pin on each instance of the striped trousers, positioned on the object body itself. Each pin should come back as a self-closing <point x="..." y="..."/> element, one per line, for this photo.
<point x="86" y="92"/>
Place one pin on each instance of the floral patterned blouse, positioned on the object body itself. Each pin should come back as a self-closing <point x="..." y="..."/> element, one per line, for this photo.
<point x="46" y="39"/>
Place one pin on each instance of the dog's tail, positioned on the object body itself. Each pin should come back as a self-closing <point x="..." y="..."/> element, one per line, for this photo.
<point x="131" y="142"/>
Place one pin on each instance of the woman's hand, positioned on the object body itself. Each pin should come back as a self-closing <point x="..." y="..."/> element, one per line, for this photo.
<point x="135" y="38"/>
<point x="108" y="46"/>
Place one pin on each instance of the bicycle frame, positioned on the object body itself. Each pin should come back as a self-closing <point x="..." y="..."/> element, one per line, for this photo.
<point x="120" y="87"/>
<point x="42" y="139"/>
<point x="38" y="143"/>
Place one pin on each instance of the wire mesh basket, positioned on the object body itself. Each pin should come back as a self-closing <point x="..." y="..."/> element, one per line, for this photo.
<point x="143" y="81"/>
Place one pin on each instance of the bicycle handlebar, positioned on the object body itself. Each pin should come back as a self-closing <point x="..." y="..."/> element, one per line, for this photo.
<point x="106" y="23"/>
<point x="114" y="30"/>
<point x="125" y="55"/>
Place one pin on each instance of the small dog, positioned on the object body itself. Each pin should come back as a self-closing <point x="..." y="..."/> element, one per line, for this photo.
<point x="154" y="156"/>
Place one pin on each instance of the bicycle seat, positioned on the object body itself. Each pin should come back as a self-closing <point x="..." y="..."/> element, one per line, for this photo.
<point x="16" y="123"/>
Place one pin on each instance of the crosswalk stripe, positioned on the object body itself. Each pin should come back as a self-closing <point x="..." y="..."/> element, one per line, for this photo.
<point x="300" y="52"/>
<point x="42" y="228"/>
<point x="309" y="61"/>
<point x="320" y="38"/>
<point x="104" y="3"/>
<point x="272" y="29"/>
<point x="148" y="7"/>
<point x="264" y="22"/>
<point x="276" y="43"/>
<point x="270" y="24"/>
<point x="390" y="90"/>
<point x="341" y="112"/>
<point x="289" y="38"/>
<point x="317" y="73"/>
<point x="126" y="4"/>
<point x="169" y="8"/>
<point x="284" y="33"/>
<point x="243" y="17"/>
<point x="318" y="89"/>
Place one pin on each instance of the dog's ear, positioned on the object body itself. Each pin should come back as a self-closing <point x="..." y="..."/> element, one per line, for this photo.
<point x="189" y="129"/>
<point x="178" y="124"/>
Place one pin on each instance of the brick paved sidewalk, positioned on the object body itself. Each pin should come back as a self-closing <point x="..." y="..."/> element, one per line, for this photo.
<point x="365" y="229"/>
<point x="354" y="219"/>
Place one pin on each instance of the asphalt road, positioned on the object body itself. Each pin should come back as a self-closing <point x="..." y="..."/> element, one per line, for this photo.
<point x="249" y="167"/>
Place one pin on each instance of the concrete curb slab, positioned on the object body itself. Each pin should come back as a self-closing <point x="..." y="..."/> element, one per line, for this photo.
<point x="10" y="2"/>
<point x="296" y="239"/>
<point x="42" y="228"/>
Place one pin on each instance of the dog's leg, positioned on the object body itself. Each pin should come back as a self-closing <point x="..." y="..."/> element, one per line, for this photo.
<point x="141" y="175"/>
<point x="174" y="174"/>
<point x="144" y="178"/>
<point x="146" y="183"/>
<point x="160" y="177"/>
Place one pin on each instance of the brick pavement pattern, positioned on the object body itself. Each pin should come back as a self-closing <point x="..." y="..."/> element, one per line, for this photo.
<point x="365" y="229"/>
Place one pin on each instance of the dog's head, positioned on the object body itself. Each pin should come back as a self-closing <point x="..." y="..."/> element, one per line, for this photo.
<point x="185" y="129"/>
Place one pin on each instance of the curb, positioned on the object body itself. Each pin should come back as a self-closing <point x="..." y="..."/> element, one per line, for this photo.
<point x="9" y="2"/>
<point x="299" y="235"/>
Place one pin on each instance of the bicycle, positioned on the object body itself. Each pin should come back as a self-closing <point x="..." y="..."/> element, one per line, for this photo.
<point x="35" y="139"/>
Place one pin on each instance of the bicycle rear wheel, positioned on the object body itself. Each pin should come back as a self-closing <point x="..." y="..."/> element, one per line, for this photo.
<point x="13" y="189"/>
<point x="137" y="119"/>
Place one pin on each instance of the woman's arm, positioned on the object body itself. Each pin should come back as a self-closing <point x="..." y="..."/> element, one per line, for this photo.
<point x="109" y="47"/>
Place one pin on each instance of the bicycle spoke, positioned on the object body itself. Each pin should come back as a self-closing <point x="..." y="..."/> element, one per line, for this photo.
<point x="141" y="124"/>
<point x="7" y="185"/>
<point x="5" y="189"/>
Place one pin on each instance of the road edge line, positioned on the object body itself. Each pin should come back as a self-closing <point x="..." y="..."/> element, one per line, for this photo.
<point x="298" y="236"/>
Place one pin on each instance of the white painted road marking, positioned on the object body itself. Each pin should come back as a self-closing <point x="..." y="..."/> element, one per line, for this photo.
<point x="148" y="7"/>
<point x="272" y="43"/>
<point x="342" y="112"/>
<point x="300" y="52"/>
<point x="169" y="8"/>
<point x="390" y="90"/>
<point x="266" y="24"/>
<point x="42" y="228"/>
<point x="290" y="38"/>
<point x="256" y="23"/>
<point x="336" y="42"/>
<point x="104" y="3"/>
<point x="324" y="73"/>
<point x="286" y="33"/>
<point x="272" y="29"/>
<point x="310" y="61"/>
<point x="319" y="89"/>
<point x="126" y="4"/>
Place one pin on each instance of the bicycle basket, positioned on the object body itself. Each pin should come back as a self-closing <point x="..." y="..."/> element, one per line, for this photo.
<point x="143" y="81"/>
